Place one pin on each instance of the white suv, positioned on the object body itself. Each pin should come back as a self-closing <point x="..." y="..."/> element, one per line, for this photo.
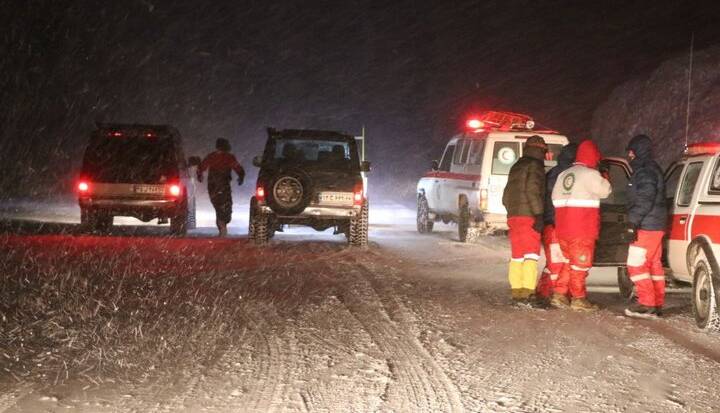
<point x="466" y="186"/>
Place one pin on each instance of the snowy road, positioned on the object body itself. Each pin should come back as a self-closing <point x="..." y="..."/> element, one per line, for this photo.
<point x="411" y="324"/>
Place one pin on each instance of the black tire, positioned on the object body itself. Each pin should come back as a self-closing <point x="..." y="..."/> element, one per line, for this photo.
<point x="179" y="223"/>
<point x="424" y="224"/>
<point x="463" y="222"/>
<point x="359" y="227"/>
<point x="192" y="216"/>
<point x="258" y="230"/>
<point x="625" y="284"/>
<point x="704" y="302"/>
<point x="289" y="192"/>
<point x="95" y="221"/>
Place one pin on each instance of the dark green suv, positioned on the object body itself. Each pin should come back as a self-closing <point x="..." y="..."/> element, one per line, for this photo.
<point x="312" y="178"/>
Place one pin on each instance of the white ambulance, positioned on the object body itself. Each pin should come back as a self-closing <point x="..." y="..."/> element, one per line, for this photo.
<point x="692" y="245"/>
<point x="467" y="184"/>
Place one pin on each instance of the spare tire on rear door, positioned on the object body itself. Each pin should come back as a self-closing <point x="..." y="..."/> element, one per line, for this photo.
<point x="289" y="192"/>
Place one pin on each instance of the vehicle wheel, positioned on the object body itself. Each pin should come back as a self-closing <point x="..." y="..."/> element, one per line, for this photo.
<point x="259" y="226"/>
<point x="192" y="217"/>
<point x="99" y="222"/>
<point x="463" y="222"/>
<point x="704" y="303"/>
<point x="424" y="224"/>
<point x="179" y="223"/>
<point x="359" y="227"/>
<point x="627" y="287"/>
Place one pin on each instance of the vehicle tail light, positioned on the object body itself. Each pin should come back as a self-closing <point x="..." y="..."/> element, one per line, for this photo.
<point x="358" y="195"/>
<point x="483" y="201"/>
<point x="115" y="134"/>
<point x="174" y="190"/>
<point x="83" y="187"/>
<point x="260" y="194"/>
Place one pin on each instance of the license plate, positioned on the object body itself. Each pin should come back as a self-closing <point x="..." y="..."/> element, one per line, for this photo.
<point x="150" y="189"/>
<point x="336" y="198"/>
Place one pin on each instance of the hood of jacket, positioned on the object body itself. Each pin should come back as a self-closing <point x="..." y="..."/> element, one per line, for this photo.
<point x="641" y="145"/>
<point x="567" y="155"/>
<point x="588" y="154"/>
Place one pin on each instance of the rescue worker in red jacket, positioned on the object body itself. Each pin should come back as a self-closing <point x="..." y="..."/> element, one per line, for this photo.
<point x="220" y="165"/>
<point x="523" y="199"/>
<point x="554" y="259"/>
<point x="647" y="217"/>
<point x="576" y="198"/>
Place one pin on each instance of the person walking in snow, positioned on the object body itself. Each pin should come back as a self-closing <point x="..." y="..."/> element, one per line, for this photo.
<point x="220" y="165"/>
<point x="576" y="198"/>
<point x="524" y="200"/>
<point x="647" y="218"/>
<point x="554" y="258"/>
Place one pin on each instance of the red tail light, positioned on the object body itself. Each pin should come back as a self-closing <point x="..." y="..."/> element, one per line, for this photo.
<point x="115" y="134"/>
<point x="83" y="187"/>
<point x="358" y="195"/>
<point x="260" y="194"/>
<point x="174" y="190"/>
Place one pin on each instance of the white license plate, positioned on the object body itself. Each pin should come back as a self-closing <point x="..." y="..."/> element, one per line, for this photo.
<point x="150" y="189"/>
<point x="336" y="198"/>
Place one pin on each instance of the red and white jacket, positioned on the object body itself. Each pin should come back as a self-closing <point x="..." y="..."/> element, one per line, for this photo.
<point x="577" y="194"/>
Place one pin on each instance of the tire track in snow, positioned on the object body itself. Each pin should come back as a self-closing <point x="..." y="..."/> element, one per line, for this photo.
<point x="420" y="384"/>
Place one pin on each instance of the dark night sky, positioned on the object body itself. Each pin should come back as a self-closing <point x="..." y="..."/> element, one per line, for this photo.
<point x="410" y="71"/>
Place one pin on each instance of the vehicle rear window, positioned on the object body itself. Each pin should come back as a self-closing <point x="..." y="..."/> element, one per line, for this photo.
<point x="619" y="181"/>
<point x="505" y="154"/>
<point x="130" y="160"/>
<point x="309" y="151"/>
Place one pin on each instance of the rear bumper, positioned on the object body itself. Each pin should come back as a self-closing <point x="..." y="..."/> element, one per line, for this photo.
<point x="318" y="212"/>
<point x="132" y="207"/>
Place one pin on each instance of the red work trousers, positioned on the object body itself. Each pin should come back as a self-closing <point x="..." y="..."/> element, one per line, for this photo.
<point x="579" y="253"/>
<point x="524" y="240"/>
<point x="554" y="261"/>
<point x="644" y="265"/>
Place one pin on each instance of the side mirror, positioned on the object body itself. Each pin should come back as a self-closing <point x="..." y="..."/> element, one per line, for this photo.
<point x="434" y="165"/>
<point x="257" y="161"/>
<point x="194" y="161"/>
<point x="365" y="166"/>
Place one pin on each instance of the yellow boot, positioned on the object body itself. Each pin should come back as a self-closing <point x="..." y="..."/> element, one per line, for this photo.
<point x="515" y="276"/>
<point x="529" y="275"/>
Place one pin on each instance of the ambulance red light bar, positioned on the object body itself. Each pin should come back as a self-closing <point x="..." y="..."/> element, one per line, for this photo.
<point x="503" y="121"/>
<point x="83" y="187"/>
<point x="702" y="148"/>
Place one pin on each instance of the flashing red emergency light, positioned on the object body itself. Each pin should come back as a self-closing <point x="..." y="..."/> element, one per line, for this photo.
<point x="702" y="148"/>
<point x="149" y="135"/>
<point x="475" y="123"/>
<point x="174" y="190"/>
<point x="83" y="186"/>
<point x="115" y="134"/>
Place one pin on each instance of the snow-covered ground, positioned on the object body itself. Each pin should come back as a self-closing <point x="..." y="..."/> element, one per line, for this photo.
<point x="411" y="324"/>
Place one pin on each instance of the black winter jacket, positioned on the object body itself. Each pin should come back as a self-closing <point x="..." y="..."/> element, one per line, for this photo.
<point x="525" y="190"/>
<point x="564" y="161"/>
<point x="646" y="202"/>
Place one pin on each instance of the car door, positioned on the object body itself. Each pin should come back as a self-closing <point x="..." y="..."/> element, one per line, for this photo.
<point x="503" y="155"/>
<point x="441" y="180"/>
<point x="455" y="184"/>
<point x="682" y="210"/>
<point x="612" y="244"/>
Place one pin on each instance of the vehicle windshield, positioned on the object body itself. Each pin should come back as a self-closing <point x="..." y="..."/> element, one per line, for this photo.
<point x="130" y="160"/>
<point x="339" y="154"/>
